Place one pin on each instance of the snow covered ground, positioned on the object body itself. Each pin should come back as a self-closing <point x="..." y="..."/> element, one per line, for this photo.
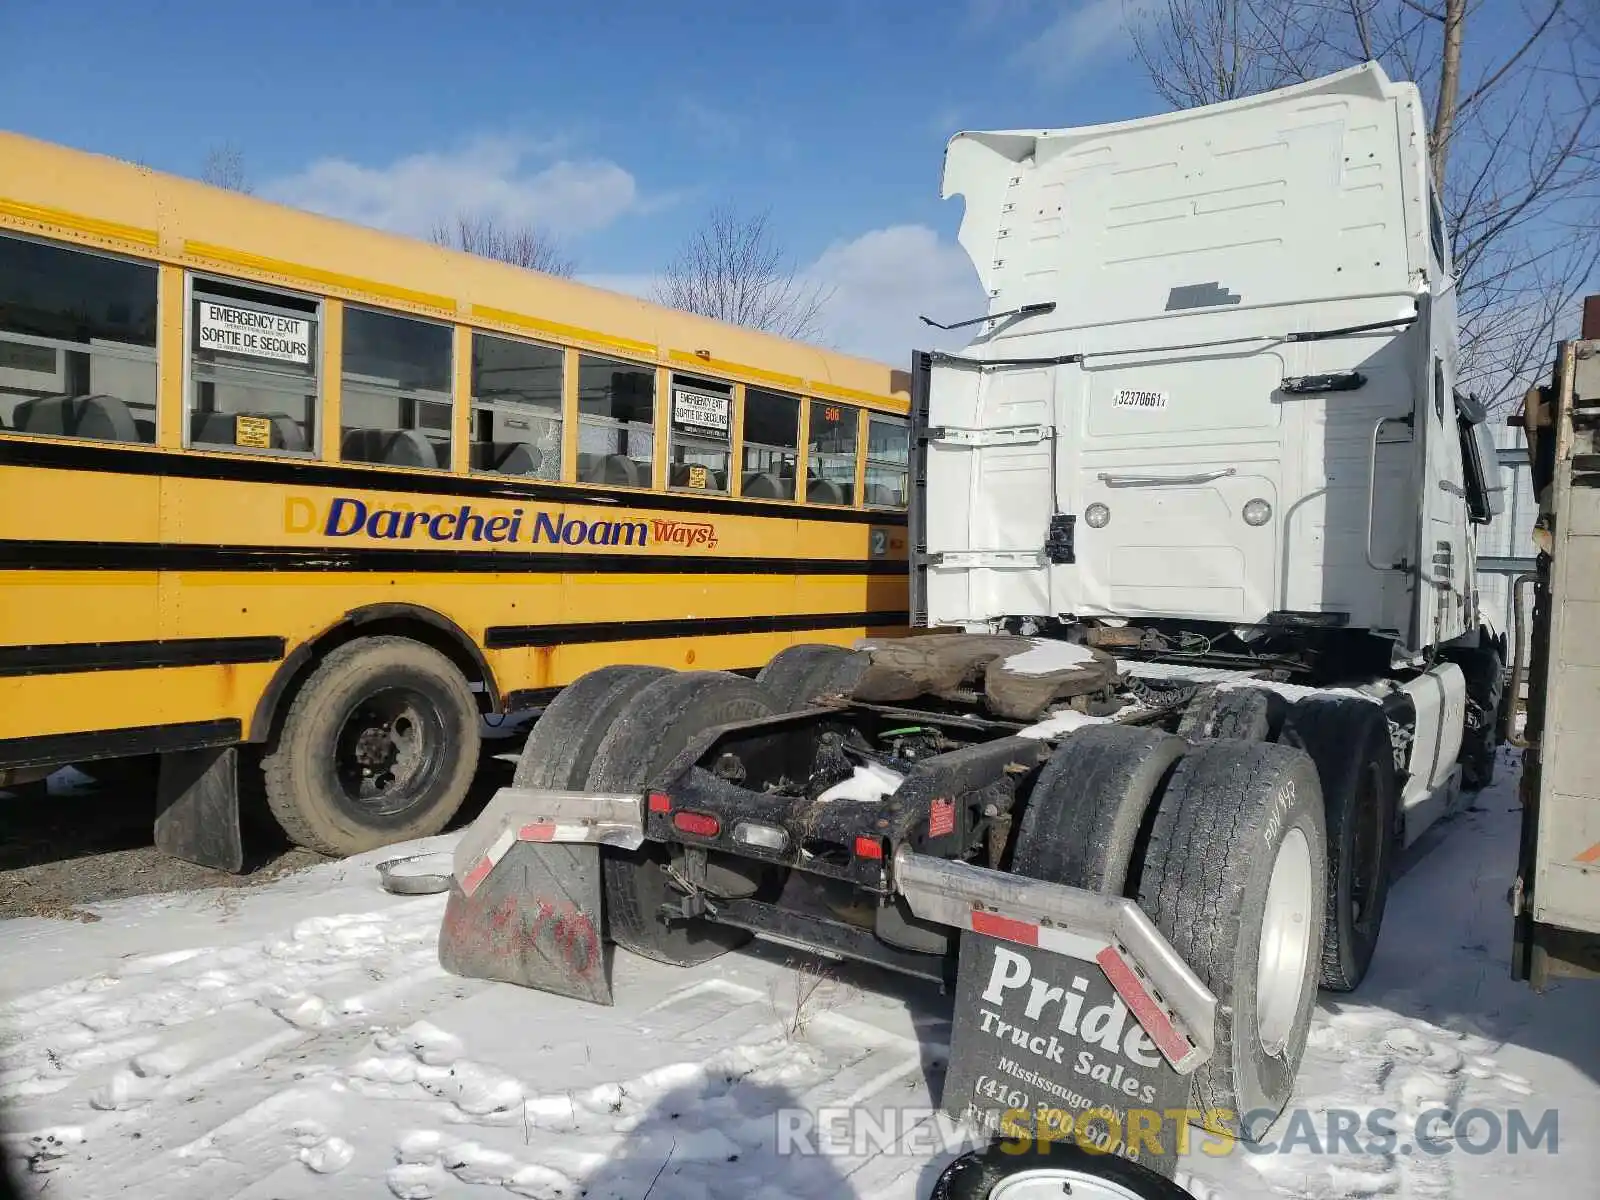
<point x="299" y="1040"/>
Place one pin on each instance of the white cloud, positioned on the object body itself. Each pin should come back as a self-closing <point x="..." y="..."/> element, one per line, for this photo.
<point x="1088" y="30"/>
<point x="509" y="179"/>
<point x="883" y="280"/>
<point x="878" y="284"/>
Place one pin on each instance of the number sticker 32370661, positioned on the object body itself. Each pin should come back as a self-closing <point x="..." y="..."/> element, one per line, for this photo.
<point x="1133" y="398"/>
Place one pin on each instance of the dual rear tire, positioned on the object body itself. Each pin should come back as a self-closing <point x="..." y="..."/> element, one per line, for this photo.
<point x="798" y="676"/>
<point x="644" y="736"/>
<point x="617" y="727"/>
<point x="1348" y="740"/>
<point x="1224" y="846"/>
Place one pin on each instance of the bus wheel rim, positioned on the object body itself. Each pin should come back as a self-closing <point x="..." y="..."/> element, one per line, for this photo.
<point x="388" y="751"/>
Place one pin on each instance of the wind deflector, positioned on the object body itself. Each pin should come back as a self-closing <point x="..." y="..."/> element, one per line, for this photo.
<point x="1479" y="461"/>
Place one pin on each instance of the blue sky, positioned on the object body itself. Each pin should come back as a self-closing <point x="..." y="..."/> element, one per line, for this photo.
<point x="614" y="125"/>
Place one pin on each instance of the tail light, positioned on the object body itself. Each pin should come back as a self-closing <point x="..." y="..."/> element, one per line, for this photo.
<point x="698" y="824"/>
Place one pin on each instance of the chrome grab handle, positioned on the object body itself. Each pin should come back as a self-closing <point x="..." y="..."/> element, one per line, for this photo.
<point x="1159" y="480"/>
<point x="1372" y="492"/>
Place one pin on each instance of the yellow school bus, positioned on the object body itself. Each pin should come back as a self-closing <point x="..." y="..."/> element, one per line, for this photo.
<point x="294" y="504"/>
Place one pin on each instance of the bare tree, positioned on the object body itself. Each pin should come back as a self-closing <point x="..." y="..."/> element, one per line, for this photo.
<point x="733" y="269"/>
<point x="224" y="168"/>
<point x="520" y="245"/>
<point x="1516" y="117"/>
<point x="1205" y="51"/>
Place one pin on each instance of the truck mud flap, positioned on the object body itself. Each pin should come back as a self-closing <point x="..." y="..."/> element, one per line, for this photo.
<point x="525" y="903"/>
<point x="1075" y="1020"/>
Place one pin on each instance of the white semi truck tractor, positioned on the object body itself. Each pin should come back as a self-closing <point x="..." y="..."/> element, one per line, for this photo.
<point x="1196" y="648"/>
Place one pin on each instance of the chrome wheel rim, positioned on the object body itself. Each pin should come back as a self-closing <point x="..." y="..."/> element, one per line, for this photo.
<point x="1285" y="942"/>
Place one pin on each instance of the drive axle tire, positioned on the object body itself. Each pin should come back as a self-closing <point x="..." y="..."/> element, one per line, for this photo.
<point x="379" y="745"/>
<point x="1234" y="876"/>
<point x="1245" y="714"/>
<point x="645" y="736"/>
<point x="1085" y="812"/>
<point x="558" y="752"/>
<point x="1349" y="742"/>
<point x="799" y="674"/>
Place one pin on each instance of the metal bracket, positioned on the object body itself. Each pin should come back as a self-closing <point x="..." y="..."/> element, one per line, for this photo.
<point x="998" y="435"/>
<point x="545" y="815"/>
<point x="1005" y="560"/>
<point x="1060" y="545"/>
<point x="1079" y="924"/>
<point x="693" y="905"/>
<point x="1334" y="381"/>
<point x="1027" y="310"/>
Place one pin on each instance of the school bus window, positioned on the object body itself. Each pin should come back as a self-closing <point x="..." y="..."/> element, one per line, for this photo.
<point x="253" y="370"/>
<point x="516" y="407"/>
<point x="395" y="407"/>
<point x="771" y="444"/>
<point x="77" y="343"/>
<point x="701" y="432"/>
<point x="831" y="473"/>
<point x="616" y="422"/>
<point x="888" y="454"/>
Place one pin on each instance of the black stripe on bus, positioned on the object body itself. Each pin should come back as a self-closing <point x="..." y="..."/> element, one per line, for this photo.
<point x="57" y="749"/>
<point x="135" y="656"/>
<point x="242" y="468"/>
<point x="505" y="637"/>
<point x="18" y="555"/>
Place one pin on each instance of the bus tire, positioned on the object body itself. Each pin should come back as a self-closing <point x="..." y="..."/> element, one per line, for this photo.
<point x="379" y="745"/>
<point x="1086" y="810"/>
<point x="1349" y="742"/>
<point x="1235" y="871"/>
<point x="558" y="752"/>
<point x="646" y="734"/>
<point x="799" y="674"/>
